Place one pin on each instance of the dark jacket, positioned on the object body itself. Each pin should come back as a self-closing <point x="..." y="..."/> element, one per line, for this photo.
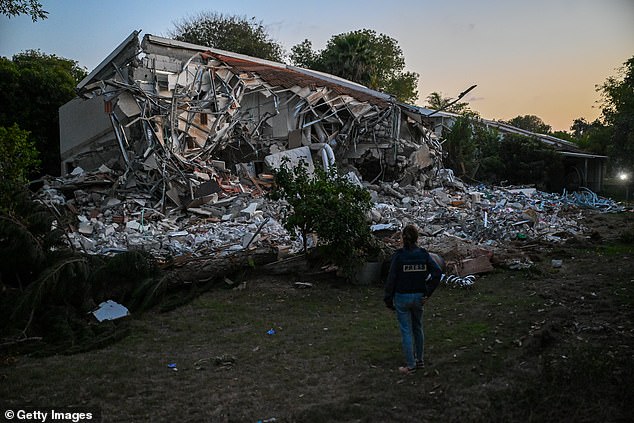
<point x="411" y="271"/>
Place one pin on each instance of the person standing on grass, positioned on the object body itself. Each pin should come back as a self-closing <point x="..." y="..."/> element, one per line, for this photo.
<point x="412" y="278"/>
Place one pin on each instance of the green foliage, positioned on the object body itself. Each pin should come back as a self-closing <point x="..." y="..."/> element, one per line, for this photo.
<point x="594" y="137"/>
<point x="18" y="155"/>
<point x="118" y="278"/>
<point x="363" y="56"/>
<point x="478" y="152"/>
<point x="618" y="113"/>
<point x="579" y="127"/>
<point x="460" y="146"/>
<point x="403" y="87"/>
<point x="563" y="135"/>
<point x="26" y="238"/>
<point x="530" y="123"/>
<point x="329" y="205"/>
<point x="33" y="86"/>
<point x="149" y="292"/>
<point x="232" y="33"/>
<point x="303" y="55"/>
<point x="32" y="8"/>
<point x="63" y="281"/>
<point x="526" y="160"/>
<point x="488" y="164"/>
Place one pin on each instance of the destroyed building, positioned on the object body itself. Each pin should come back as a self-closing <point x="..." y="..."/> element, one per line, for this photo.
<point x="169" y="146"/>
<point x="173" y="116"/>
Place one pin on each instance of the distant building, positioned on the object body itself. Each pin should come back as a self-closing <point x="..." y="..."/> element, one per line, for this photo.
<point x="582" y="169"/>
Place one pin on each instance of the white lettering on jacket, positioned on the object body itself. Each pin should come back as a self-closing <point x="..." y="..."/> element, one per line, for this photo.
<point x="414" y="268"/>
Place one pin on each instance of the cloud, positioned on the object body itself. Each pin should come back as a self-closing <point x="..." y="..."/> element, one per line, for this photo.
<point x="476" y="98"/>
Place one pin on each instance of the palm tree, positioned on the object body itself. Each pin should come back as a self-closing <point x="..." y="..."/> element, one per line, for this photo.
<point x="350" y="56"/>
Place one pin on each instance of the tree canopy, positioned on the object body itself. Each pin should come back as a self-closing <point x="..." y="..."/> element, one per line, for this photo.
<point x="32" y="8"/>
<point x="232" y="33"/>
<point x="33" y="86"/>
<point x="363" y="56"/>
<point x="530" y="123"/>
<point x="617" y="112"/>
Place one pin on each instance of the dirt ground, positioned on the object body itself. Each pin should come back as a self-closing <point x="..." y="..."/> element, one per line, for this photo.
<point x="543" y="344"/>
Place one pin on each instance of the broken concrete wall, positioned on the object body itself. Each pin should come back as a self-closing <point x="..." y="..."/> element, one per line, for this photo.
<point x="86" y="134"/>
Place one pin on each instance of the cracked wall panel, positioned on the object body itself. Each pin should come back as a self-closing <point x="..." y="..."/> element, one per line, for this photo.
<point x="81" y="122"/>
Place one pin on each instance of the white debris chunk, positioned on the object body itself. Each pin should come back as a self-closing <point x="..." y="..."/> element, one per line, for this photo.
<point x="110" y="310"/>
<point x="85" y="228"/>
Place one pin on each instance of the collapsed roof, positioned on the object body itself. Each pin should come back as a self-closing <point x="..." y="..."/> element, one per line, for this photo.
<point x="172" y="117"/>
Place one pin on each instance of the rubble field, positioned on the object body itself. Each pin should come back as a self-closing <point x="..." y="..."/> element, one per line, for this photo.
<point x="473" y="227"/>
<point x="550" y="342"/>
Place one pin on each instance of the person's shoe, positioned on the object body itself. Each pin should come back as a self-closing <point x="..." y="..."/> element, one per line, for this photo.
<point x="407" y="370"/>
<point x="420" y="364"/>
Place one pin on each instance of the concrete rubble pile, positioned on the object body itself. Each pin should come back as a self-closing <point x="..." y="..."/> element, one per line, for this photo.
<point x="104" y="220"/>
<point x="467" y="226"/>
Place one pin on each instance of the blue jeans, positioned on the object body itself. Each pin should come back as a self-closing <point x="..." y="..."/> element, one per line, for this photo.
<point x="409" y="312"/>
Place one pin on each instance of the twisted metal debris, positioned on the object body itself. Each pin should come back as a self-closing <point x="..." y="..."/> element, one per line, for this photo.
<point x="587" y="198"/>
<point x="456" y="281"/>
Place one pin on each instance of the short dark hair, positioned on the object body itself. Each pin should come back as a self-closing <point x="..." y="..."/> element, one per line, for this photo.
<point x="410" y="236"/>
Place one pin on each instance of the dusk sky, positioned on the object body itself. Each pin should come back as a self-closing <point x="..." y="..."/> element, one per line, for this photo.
<point x="539" y="57"/>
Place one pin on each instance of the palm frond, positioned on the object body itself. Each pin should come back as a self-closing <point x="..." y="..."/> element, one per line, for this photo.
<point x="58" y="280"/>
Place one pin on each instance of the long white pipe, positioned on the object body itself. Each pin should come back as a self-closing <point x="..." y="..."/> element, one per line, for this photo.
<point x="327" y="156"/>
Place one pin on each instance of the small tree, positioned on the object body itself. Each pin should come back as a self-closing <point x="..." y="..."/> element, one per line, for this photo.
<point x="327" y="204"/>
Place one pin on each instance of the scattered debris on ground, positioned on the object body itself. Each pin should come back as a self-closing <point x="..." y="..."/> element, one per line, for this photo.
<point x="467" y="225"/>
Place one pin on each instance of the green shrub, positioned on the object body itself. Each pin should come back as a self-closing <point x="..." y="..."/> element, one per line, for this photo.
<point x="329" y="205"/>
